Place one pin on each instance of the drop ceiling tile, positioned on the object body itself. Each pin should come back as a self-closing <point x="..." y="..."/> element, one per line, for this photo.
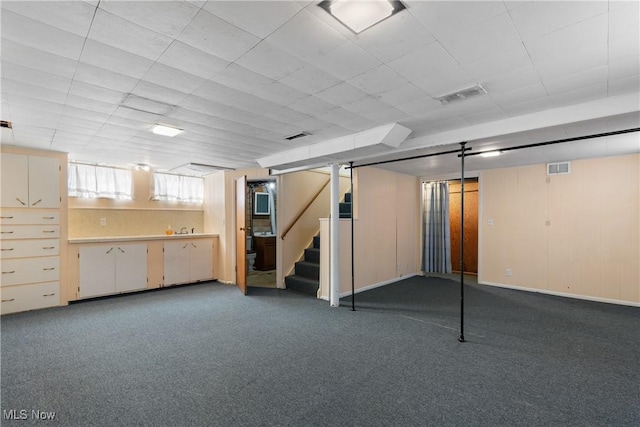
<point x="36" y="59"/>
<point x="588" y="78"/>
<point x="171" y="78"/>
<point x="528" y="107"/>
<point x="623" y="48"/>
<point x="166" y="17"/>
<point x="307" y="37"/>
<point x="536" y="18"/>
<point x="365" y="106"/>
<point x="25" y="103"/>
<point x="394" y="37"/>
<point x="239" y="78"/>
<point x="472" y="44"/>
<point x="518" y="78"/>
<point x="259" y="18"/>
<point x="341" y="93"/>
<point x="137" y="115"/>
<point x="128" y="123"/>
<point x="420" y="106"/>
<point x="379" y="80"/>
<point x="24" y="89"/>
<point x="311" y="105"/>
<point x="122" y="34"/>
<point x="287" y="115"/>
<point x="79" y="122"/>
<point x="74" y="17"/>
<point x="103" y="78"/>
<point x="402" y="95"/>
<point x="25" y="118"/>
<point x="19" y="73"/>
<point x="40" y="36"/>
<point x="114" y="59"/>
<point x="388" y="115"/>
<point x="528" y="93"/>
<point x="624" y="86"/>
<point x="145" y="104"/>
<point x="85" y="114"/>
<point x="497" y="63"/>
<point x="115" y="132"/>
<point x="97" y="93"/>
<point x="571" y="64"/>
<point x="90" y="104"/>
<point x="346" y="61"/>
<point x="191" y="60"/>
<point x="81" y="133"/>
<point x="310" y="80"/>
<point x="624" y="69"/>
<point x="485" y="116"/>
<point x="270" y="61"/>
<point x="280" y="93"/>
<point x="158" y="93"/>
<point x="346" y="120"/>
<point x="217" y="37"/>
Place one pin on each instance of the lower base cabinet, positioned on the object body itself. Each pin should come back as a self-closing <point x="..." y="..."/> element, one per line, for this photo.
<point x="188" y="261"/>
<point x="112" y="268"/>
<point x="29" y="297"/>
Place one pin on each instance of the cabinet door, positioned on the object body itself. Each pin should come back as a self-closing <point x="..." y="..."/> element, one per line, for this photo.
<point x="176" y="262"/>
<point x="97" y="271"/>
<point x="44" y="182"/>
<point x="15" y="180"/>
<point x="201" y="259"/>
<point x="131" y="267"/>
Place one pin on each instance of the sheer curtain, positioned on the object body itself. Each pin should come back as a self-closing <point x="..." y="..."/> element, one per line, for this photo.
<point x="89" y="181"/>
<point x="177" y="188"/>
<point x="436" y="241"/>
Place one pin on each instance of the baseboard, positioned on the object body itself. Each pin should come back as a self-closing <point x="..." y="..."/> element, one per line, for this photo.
<point x="562" y="294"/>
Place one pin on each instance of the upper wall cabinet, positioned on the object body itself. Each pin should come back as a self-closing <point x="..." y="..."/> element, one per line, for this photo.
<point x="30" y="181"/>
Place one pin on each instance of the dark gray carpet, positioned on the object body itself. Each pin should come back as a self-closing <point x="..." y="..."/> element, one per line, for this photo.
<point x="206" y="355"/>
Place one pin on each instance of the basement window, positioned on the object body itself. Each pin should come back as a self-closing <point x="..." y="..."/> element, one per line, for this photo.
<point x="177" y="188"/>
<point x="99" y="182"/>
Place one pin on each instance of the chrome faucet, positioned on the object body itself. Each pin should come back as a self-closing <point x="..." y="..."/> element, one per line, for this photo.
<point x="184" y="230"/>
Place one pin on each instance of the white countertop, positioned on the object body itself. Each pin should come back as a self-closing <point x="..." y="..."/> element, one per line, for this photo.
<point x="107" y="239"/>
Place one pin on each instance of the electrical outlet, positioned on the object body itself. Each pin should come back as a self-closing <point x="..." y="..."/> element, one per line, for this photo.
<point x="509" y="272"/>
<point x="103" y="221"/>
<point x="490" y="222"/>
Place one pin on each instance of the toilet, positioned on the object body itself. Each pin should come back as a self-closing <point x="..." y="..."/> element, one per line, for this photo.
<point x="251" y="256"/>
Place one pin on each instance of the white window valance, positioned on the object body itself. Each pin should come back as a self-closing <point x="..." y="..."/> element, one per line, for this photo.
<point x="92" y="182"/>
<point x="177" y="188"/>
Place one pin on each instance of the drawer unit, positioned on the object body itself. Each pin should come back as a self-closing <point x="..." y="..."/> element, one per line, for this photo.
<point x="29" y="297"/>
<point x="29" y="248"/>
<point x="30" y="270"/>
<point x="29" y="231"/>
<point x="13" y="216"/>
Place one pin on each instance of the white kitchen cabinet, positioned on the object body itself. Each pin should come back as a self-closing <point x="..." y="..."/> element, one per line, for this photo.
<point x="30" y="181"/>
<point x="188" y="261"/>
<point x="112" y="268"/>
<point x="29" y="297"/>
<point x="29" y="248"/>
<point x="21" y="271"/>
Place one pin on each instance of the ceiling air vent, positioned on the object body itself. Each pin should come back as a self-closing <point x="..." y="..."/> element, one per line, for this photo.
<point x="297" y="135"/>
<point x="5" y="124"/>
<point x="461" y="95"/>
<point x="561" y="168"/>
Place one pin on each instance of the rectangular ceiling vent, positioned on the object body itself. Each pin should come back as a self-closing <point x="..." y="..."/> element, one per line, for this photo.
<point x="297" y="135"/>
<point x="560" y="168"/>
<point x="461" y="95"/>
<point x="5" y="124"/>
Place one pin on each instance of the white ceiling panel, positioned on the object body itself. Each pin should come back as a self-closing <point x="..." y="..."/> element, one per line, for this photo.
<point x="114" y="59"/>
<point x="166" y="17"/>
<point x="340" y="94"/>
<point x="515" y="79"/>
<point x="98" y="93"/>
<point x="498" y="63"/>
<point x="43" y="79"/>
<point x="36" y="59"/>
<point x="239" y="78"/>
<point x="122" y="34"/>
<point x="346" y="61"/>
<point x="90" y="104"/>
<point x="310" y="80"/>
<point x="622" y="86"/>
<point x="217" y="37"/>
<point x="280" y="93"/>
<point x="158" y="93"/>
<point x="311" y="105"/>
<point x="270" y="61"/>
<point x="379" y="80"/>
<point x="259" y="18"/>
<point x="75" y="17"/>
<point x="191" y="60"/>
<point x="38" y="35"/>
<point x="172" y="78"/>
<point x="106" y="79"/>
<point x="588" y="78"/>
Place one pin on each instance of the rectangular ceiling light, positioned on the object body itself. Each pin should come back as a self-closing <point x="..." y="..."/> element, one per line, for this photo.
<point x="165" y="130"/>
<point x="358" y="15"/>
<point x="490" y="154"/>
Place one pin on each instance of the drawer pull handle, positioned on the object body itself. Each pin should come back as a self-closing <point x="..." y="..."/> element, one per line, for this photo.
<point x="6" y="249"/>
<point x="47" y="247"/>
<point x="36" y="202"/>
<point x="49" y="268"/>
<point x="8" y="300"/>
<point x="49" y="295"/>
<point x="185" y="245"/>
<point x="6" y="217"/>
<point x="193" y="245"/>
<point x="48" y="231"/>
<point x="6" y="232"/>
<point x="121" y="250"/>
<point x="48" y="217"/>
<point x="109" y="251"/>
<point x="8" y="272"/>
<point x="21" y="202"/>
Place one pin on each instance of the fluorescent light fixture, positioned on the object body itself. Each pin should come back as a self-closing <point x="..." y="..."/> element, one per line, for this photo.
<point x="165" y="130"/>
<point x="358" y="15"/>
<point x="495" y="153"/>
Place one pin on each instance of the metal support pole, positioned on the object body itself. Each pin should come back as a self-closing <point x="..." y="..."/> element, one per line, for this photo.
<point x="461" y="339"/>
<point x="334" y="224"/>
<point x="353" y="282"/>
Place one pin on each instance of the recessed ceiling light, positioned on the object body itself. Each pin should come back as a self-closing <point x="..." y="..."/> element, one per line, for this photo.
<point x="490" y="153"/>
<point x="358" y="15"/>
<point x="165" y="130"/>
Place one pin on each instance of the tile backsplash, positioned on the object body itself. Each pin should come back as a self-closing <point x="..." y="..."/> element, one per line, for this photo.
<point x="131" y="222"/>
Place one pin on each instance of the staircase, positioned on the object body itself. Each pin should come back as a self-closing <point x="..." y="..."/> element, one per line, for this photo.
<point x="306" y="278"/>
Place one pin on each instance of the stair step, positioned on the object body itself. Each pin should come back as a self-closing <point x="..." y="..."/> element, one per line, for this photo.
<point x="345" y="215"/>
<point x="345" y="208"/>
<point x="302" y="284"/>
<point x="347" y="197"/>
<point x="307" y="269"/>
<point x="316" y="242"/>
<point x="312" y="255"/>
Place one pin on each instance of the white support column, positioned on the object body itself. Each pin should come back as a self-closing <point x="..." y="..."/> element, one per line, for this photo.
<point x="334" y="255"/>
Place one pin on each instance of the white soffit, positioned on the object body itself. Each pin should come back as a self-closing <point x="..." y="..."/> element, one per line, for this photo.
<point x="387" y="136"/>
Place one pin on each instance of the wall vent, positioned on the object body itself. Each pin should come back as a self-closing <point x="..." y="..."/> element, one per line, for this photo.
<point x="560" y="168"/>
<point x="296" y="136"/>
<point x="5" y="124"/>
<point x="461" y="95"/>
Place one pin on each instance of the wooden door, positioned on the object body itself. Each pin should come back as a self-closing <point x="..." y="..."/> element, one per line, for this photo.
<point x="470" y="225"/>
<point x="241" y="233"/>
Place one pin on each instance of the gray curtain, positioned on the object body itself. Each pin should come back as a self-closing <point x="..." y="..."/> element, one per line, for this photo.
<point x="436" y="241"/>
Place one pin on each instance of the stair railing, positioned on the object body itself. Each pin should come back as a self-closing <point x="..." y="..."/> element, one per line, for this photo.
<point x="307" y="206"/>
